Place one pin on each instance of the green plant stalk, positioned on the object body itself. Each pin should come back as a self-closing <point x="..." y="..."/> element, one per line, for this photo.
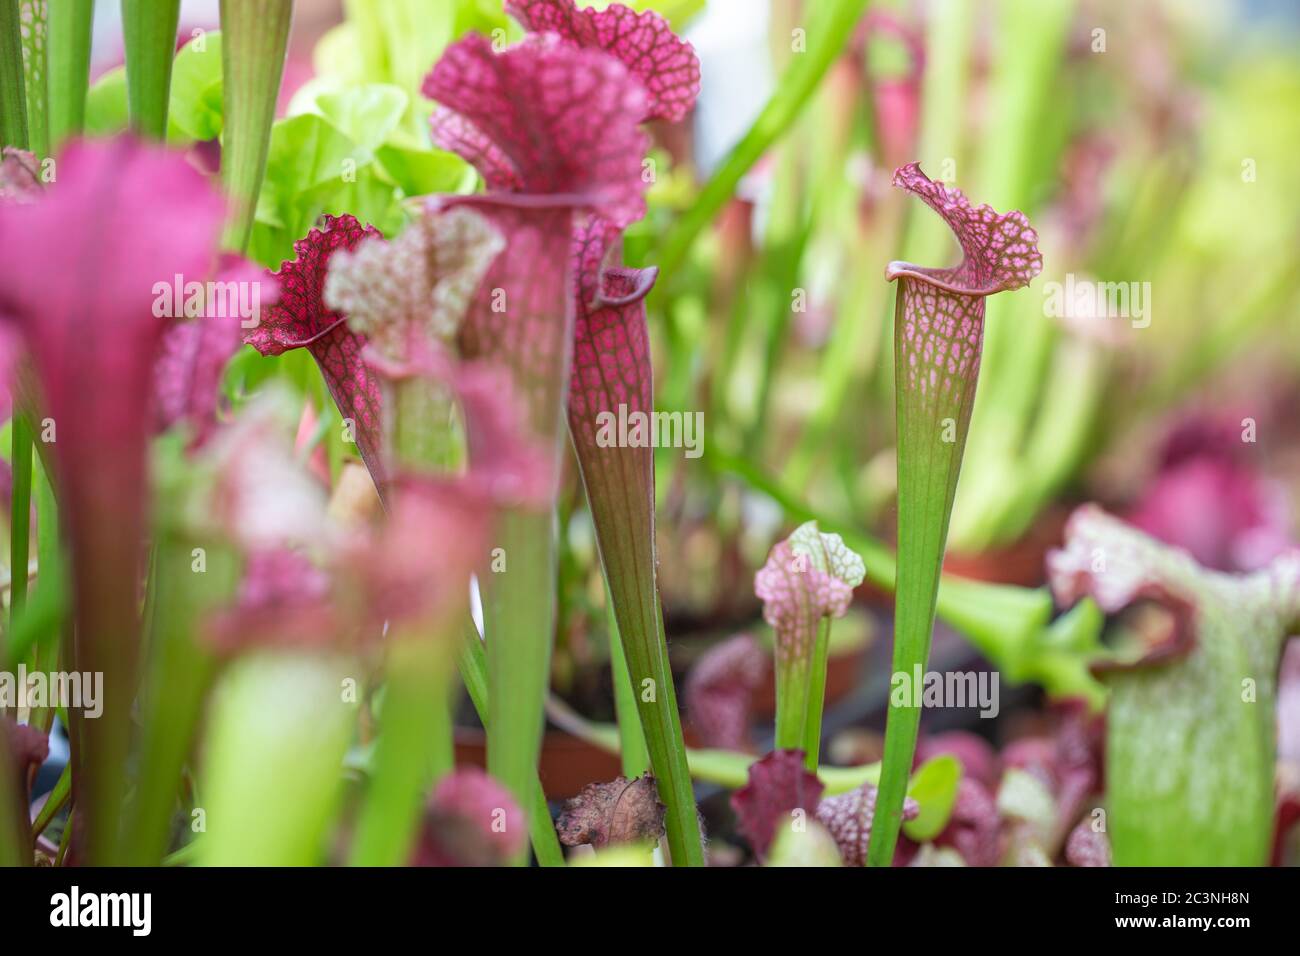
<point x="58" y="798"/>
<point x="420" y="425"/>
<point x="35" y="71"/>
<point x="932" y="432"/>
<point x="20" y="514"/>
<point x="178" y="672"/>
<point x="518" y="616"/>
<point x="70" y="24"/>
<point x="15" y="834"/>
<point x="472" y="661"/>
<point x="65" y="838"/>
<point x="801" y="697"/>
<point x="255" y="38"/>
<point x="661" y="721"/>
<point x="812" y="724"/>
<point x="632" y="749"/>
<point x="519" y="587"/>
<point x="42" y="618"/>
<point x="792" y="679"/>
<point x="829" y="30"/>
<point x="13" y="98"/>
<point x="38" y="627"/>
<point x="271" y="710"/>
<point x="414" y="749"/>
<point x="621" y="499"/>
<point x="149" y="31"/>
<point x="416" y="744"/>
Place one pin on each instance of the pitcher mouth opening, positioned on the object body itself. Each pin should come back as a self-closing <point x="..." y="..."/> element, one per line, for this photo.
<point x="511" y="200"/>
<point x="906" y="270"/>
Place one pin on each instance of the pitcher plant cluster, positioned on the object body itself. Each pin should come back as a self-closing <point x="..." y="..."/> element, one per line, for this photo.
<point x="296" y="436"/>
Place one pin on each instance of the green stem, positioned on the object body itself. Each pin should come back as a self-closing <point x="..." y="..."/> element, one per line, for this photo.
<point x="36" y="630"/>
<point x="812" y="725"/>
<point x="49" y="554"/>
<point x="620" y="494"/>
<point x="932" y="432"/>
<point x="632" y="749"/>
<point x="416" y="745"/>
<point x="149" y="30"/>
<point x="65" y="838"/>
<point x="185" y="856"/>
<point x="792" y="703"/>
<point x="413" y="753"/>
<point x="661" y="721"/>
<point x="14" y="835"/>
<point x="187" y="580"/>
<point x="70" y="24"/>
<point x="254" y="39"/>
<point x="56" y="801"/>
<point x="518" y="616"/>
<point x="472" y="661"/>
<point x="20" y="515"/>
<point x="13" y="98"/>
<point x="827" y="33"/>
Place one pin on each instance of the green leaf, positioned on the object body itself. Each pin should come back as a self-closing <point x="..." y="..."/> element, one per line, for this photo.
<point x="934" y="787"/>
<point x="366" y="114"/>
<point x="309" y="163"/>
<point x="371" y="199"/>
<point x="397" y="41"/>
<point x="195" y="111"/>
<point x="422" y="172"/>
<point x="106" y="111"/>
<point x="308" y="156"/>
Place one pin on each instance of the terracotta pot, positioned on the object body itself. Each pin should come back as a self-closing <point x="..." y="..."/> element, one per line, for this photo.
<point x="1021" y="562"/>
<point x="567" y="764"/>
